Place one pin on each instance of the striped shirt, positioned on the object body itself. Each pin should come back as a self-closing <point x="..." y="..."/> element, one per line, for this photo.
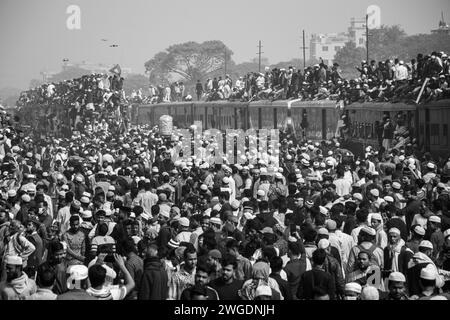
<point x="179" y="281"/>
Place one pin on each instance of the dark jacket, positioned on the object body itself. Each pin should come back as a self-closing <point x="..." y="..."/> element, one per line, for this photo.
<point x="403" y="259"/>
<point x="284" y="286"/>
<point x="412" y="278"/>
<point x="294" y="270"/>
<point x="316" y="278"/>
<point x="154" y="281"/>
<point x="333" y="267"/>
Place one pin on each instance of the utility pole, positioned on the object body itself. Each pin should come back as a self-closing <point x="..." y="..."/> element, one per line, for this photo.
<point x="303" y="48"/>
<point x="259" y="54"/>
<point x="367" y="37"/>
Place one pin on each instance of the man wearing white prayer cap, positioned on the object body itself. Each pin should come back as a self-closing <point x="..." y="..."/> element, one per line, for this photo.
<point x="352" y="291"/>
<point x="376" y="221"/>
<point x="370" y="293"/>
<point x="421" y="259"/>
<point x="17" y="285"/>
<point x="397" y="286"/>
<point x="427" y="283"/>
<point x="396" y="254"/>
<point x="417" y="235"/>
<point x="366" y="239"/>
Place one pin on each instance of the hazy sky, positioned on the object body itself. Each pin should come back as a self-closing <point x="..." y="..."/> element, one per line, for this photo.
<point x="34" y="36"/>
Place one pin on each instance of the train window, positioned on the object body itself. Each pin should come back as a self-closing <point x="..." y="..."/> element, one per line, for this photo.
<point x="434" y="133"/>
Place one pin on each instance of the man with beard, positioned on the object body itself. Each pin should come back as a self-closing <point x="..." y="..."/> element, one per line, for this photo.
<point x="397" y="287"/>
<point x="420" y="260"/>
<point x="56" y="261"/>
<point x="201" y="279"/>
<point x="154" y="279"/>
<point x="243" y="271"/>
<point x="366" y="272"/>
<point x="76" y="242"/>
<point x="17" y="285"/>
<point x="227" y="285"/>
<point x="185" y="276"/>
<point x="396" y="255"/>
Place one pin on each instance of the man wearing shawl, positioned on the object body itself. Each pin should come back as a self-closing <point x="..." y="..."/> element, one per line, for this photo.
<point x="260" y="277"/>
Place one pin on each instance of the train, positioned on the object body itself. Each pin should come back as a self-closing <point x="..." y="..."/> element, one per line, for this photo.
<point x="312" y="120"/>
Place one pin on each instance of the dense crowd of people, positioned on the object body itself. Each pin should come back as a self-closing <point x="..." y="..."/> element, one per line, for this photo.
<point x="91" y="102"/>
<point x="110" y="215"/>
<point x="392" y="80"/>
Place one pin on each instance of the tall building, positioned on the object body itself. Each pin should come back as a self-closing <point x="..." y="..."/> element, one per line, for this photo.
<point x="326" y="45"/>
<point x="357" y="32"/>
<point x="443" y="27"/>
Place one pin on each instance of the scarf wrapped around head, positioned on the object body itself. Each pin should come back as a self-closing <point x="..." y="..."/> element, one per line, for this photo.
<point x="261" y="270"/>
<point x="260" y="275"/>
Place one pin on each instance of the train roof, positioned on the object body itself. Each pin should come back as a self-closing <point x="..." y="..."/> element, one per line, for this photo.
<point x="444" y="103"/>
<point x="380" y="106"/>
<point x="296" y="103"/>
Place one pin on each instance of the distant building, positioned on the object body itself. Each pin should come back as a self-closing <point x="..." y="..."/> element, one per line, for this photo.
<point x="357" y="32"/>
<point x="443" y="26"/>
<point x="326" y="45"/>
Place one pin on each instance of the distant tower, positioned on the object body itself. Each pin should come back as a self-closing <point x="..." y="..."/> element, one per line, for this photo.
<point x="443" y="27"/>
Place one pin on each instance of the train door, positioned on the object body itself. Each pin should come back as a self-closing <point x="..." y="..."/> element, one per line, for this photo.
<point x="332" y="117"/>
<point x="254" y="117"/>
<point x="267" y="118"/>
<point x="281" y="113"/>
<point x="227" y="114"/>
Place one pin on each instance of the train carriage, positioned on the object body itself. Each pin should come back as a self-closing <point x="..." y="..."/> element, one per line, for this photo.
<point x="318" y="119"/>
<point x="313" y="120"/>
<point x="433" y="129"/>
<point x="364" y="121"/>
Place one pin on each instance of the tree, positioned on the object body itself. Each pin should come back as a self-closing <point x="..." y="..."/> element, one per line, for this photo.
<point x="385" y="42"/>
<point x="135" y="82"/>
<point x="189" y="61"/>
<point x="348" y="57"/>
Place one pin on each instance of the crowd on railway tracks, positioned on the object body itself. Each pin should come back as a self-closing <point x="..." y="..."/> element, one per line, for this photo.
<point x="115" y="215"/>
<point x="115" y="212"/>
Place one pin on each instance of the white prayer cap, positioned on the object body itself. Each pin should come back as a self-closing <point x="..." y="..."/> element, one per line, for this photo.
<point x="13" y="260"/>
<point x="426" y="244"/>
<point x="377" y="216"/>
<point x="434" y="219"/>
<point x="358" y="196"/>
<point x="370" y="293"/>
<point x="375" y="192"/>
<point x="323" y="244"/>
<point x="353" y="287"/>
<point x="394" y="230"/>
<point x="397" y="276"/>
<point x="419" y="230"/>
